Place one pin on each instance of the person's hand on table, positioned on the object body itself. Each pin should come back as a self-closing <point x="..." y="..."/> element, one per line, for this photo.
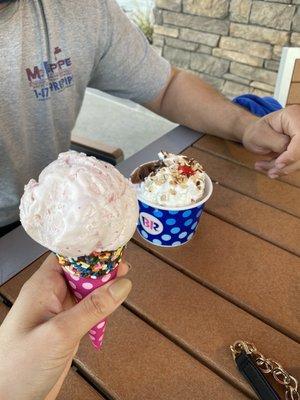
<point x="277" y="134"/>
<point x="42" y="331"/>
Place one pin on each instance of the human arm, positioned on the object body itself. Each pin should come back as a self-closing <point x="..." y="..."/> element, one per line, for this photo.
<point x="190" y="101"/>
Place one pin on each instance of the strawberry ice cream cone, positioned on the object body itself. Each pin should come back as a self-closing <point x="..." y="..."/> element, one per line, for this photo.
<point x="85" y="211"/>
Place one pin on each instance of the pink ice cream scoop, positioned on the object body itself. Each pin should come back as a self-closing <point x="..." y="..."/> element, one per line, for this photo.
<point x="79" y="205"/>
<point x="85" y="211"/>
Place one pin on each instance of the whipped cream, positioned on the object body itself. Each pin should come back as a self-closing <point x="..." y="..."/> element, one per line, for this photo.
<point x="175" y="181"/>
<point x="79" y="205"/>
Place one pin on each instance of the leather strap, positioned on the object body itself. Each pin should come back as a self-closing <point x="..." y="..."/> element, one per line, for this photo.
<point x="255" y="377"/>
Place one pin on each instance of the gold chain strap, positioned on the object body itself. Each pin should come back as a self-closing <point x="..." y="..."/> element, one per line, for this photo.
<point x="268" y="366"/>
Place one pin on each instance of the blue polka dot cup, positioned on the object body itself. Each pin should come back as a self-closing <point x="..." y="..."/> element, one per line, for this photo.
<point x="171" y="227"/>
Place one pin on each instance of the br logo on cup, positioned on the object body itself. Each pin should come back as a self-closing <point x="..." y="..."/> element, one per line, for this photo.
<point x="151" y="224"/>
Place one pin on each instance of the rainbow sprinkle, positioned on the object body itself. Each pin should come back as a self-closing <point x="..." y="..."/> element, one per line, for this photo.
<point x="96" y="264"/>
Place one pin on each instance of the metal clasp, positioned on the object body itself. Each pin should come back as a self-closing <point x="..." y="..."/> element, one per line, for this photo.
<point x="239" y="346"/>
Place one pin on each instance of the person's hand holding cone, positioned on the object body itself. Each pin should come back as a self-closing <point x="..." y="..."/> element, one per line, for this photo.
<point x="47" y="322"/>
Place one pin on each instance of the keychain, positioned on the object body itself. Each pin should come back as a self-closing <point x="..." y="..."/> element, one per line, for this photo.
<point x="252" y="365"/>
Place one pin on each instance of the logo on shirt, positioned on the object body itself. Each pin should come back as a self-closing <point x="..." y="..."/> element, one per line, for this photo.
<point x="50" y="77"/>
<point x="57" y="50"/>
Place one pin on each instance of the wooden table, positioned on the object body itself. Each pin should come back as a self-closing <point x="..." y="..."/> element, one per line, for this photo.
<point x="237" y="279"/>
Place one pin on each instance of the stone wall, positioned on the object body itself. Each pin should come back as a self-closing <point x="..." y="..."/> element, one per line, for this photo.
<point x="233" y="44"/>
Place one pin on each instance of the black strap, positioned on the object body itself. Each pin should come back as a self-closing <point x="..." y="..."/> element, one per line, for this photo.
<point x="255" y="377"/>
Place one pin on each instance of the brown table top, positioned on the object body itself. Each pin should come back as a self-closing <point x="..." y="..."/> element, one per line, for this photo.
<point x="237" y="279"/>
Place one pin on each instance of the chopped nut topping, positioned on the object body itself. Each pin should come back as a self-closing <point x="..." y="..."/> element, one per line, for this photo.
<point x="174" y="178"/>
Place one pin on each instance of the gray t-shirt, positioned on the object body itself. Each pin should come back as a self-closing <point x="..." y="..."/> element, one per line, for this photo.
<point x="50" y="51"/>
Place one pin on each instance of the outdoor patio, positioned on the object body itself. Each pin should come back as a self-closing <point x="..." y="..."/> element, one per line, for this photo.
<point x="235" y="277"/>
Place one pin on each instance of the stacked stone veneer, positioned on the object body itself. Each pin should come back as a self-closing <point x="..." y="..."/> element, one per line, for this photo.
<point x="233" y="44"/>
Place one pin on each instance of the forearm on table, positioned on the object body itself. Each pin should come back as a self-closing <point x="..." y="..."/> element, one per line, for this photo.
<point x="189" y="101"/>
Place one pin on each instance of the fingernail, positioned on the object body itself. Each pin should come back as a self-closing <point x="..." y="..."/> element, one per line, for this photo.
<point x="273" y="176"/>
<point x="280" y="165"/>
<point x="120" y="289"/>
<point x="129" y="265"/>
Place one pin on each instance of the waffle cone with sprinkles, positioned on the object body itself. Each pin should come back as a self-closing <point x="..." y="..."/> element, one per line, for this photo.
<point x="87" y="273"/>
